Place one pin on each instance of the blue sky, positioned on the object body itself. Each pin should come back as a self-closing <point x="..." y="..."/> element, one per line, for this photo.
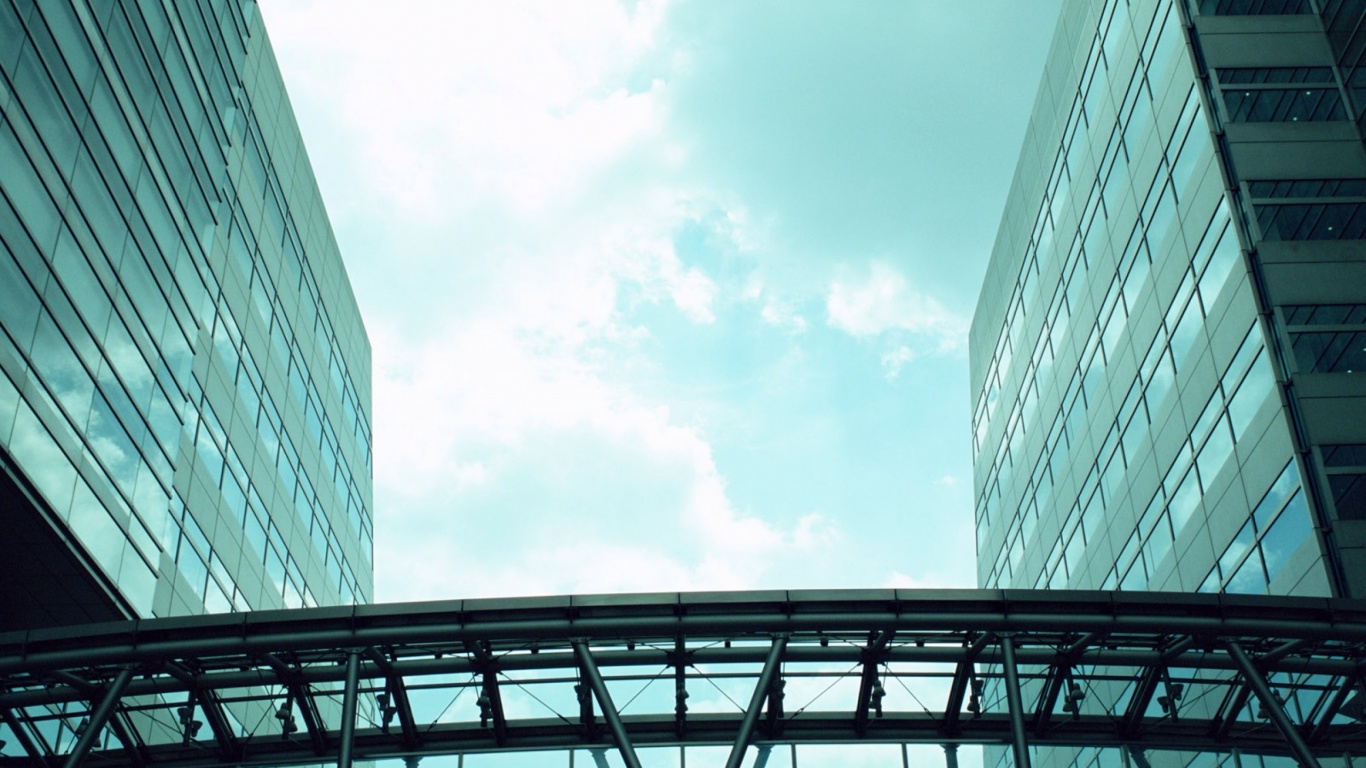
<point x="666" y="294"/>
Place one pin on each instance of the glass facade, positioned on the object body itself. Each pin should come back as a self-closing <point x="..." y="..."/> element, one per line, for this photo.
<point x="1167" y="350"/>
<point x="184" y="374"/>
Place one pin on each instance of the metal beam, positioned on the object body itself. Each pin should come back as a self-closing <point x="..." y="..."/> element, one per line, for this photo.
<point x="221" y="664"/>
<point x="1143" y="694"/>
<point x="872" y="657"/>
<point x="1057" y="677"/>
<point x="207" y="700"/>
<point x="21" y="733"/>
<point x="398" y="696"/>
<point x="1014" y="702"/>
<point x="1281" y="651"/>
<point x="583" y="691"/>
<point x="1339" y="698"/>
<point x="1147" y="685"/>
<point x="953" y="710"/>
<point x="490" y="698"/>
<point x="218" y="723"/>
<point x="1271" y="706"/>
<point x="85" y="687"/>
<point x="964" y="611"/>
<point x="128" y="737"/>
<point x="773" y="718"/>
<point x="1228" y="717"/>
<point x="609" y="710"/>
<point x="99" y="716"/>
<point x="679" y="660"/>
<point x="756" y="702"/>
<point x="301" y="695"/>
<point x="348" y="714"/>
<point x="1081" y="644"/>
<point x="303" y="699"/>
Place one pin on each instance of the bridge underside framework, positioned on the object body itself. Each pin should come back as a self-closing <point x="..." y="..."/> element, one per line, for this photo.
<point x="1142" y="671"/>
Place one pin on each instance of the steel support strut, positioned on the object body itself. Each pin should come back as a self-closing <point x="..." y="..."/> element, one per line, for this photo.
<point x="398" y="697"/>
<point x="872" y="656"/>
<point x="609" y="710"/>
<point x="1014" y="702"/>
<point x="39" y="756"/>
<point x="1335" y="705"/>
<point x="953" y="710"/>
<point x="756" y="702"/>
<point x="99" y="717"/>
<point x="348" y="715"/>
<point x="490" y="697"/>
<point x="680" y="662"/>
<point x="1271" y="705"/>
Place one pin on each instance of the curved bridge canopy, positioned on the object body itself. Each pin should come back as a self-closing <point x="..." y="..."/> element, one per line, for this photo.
<point x="1144" y="671"/>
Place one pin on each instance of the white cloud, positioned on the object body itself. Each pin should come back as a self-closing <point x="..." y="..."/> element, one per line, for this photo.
<point x="485" y="409"/>
<point x="783" y="314"/>
<point x="930" y="580"/>
<point x="497" y="135"/>
<point x="884" y="301"/>
<point x="516" y="186"/>
<point x="520" y="101"/>
<point x="895" y="360"/>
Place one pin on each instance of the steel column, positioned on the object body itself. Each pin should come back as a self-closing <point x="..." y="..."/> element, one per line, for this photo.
<point x="1272" y="706"/>
<point x="756" y="702"/>
<point x="348" y="715"/>
<point x="609" y="710"/>
<point x="99" y="717"/>
<point x="1014" y="702"/>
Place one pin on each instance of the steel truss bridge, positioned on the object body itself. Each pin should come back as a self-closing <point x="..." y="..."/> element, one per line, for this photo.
<point x="1142" y="671"/>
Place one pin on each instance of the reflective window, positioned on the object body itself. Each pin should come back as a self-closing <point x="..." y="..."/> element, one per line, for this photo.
<point x="1346" y="468"/>
<point x="1310" y="209"/>
<point x="1253" y="7"/>
<point x="1315" y="221"/>
<point x="1280" y="94"/>
<point x="1328" y="338"/>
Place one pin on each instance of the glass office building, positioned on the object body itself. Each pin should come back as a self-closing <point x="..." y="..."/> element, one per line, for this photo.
<point x="1168" y="358"/>
<point x="1168" y="352"/>
<point x="184" y="374"/>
